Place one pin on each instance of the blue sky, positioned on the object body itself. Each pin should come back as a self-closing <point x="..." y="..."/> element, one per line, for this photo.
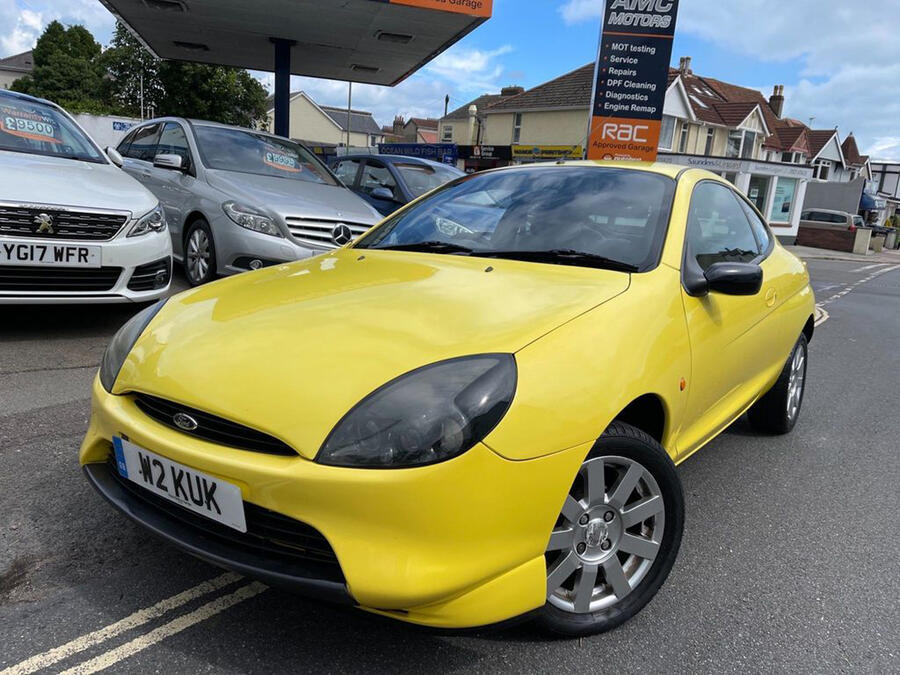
<point x="839" y="61"/>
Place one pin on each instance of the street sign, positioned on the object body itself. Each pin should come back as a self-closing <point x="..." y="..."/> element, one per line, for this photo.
<point x="630" y="78"/>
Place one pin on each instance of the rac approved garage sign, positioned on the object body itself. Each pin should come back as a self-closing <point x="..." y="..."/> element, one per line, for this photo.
<point x="631" y="77"/>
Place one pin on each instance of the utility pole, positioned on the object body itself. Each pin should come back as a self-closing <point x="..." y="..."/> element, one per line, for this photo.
<point x="349" y="101"/>
<point x="142" y="96"/>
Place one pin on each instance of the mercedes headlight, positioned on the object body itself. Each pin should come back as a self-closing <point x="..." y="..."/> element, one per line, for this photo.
<point x="155" y="221"/>
<point x="252" y="219"/>
<point x="120" y="346"/>
<point x="426" y="416"/>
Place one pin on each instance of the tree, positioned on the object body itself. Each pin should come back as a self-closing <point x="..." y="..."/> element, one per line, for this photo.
<point x="66" y="69"/>
<point x="217" y="93"/>
<point x="132" y="75"/>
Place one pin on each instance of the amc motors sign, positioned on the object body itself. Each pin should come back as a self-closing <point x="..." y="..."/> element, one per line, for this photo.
<point x="630" y="79"/>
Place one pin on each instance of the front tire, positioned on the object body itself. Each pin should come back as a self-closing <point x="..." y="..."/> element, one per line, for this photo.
<point x="617" y="536"/>
<point x="777" y="411"/>
<point x="199" y="253"/>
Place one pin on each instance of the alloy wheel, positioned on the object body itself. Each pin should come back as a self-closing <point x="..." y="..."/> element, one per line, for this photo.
<point x="198" y="255"/>
<point x="796" y="381"/>
<point x="607" y="536"/>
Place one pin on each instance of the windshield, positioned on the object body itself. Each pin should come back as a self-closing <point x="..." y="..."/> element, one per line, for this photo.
<point x="595" y="216"/>
<point x="422" y="178"/>
<point x="39" y="129"/>
<point x="249" y="152"/>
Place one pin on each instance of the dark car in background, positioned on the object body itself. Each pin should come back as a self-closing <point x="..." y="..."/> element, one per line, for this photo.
<point x="388" y="182"/>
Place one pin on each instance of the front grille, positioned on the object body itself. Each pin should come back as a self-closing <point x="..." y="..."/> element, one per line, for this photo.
<point x="212" y="428"/>
<point x="318" y="232"/>
<point x="151" y="276"/>
<point x="58" y="279"/>
<point x="268" y="533"/>
<point x="20" y="221"/>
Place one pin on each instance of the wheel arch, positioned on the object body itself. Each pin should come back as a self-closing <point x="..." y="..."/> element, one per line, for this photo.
<point x="647" y="413"/>
<point x="809" y="328"/>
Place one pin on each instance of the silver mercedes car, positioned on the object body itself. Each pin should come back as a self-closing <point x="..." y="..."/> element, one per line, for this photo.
<point x="237" y="199"/>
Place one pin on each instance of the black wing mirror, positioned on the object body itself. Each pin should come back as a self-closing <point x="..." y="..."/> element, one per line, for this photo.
<point x="734" y="278"/>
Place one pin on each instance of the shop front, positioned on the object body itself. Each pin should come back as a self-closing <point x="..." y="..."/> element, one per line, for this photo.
<point x="526" y="154"/>
<point x="474" y="158"/>
<point x="776" y="189"/>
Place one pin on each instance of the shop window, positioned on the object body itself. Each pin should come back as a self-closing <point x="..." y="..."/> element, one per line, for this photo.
<point x="667" y="132"/>
<point x="758" y="191"/>
<point x="517" y="128"/>
<point x="785" y="189"/>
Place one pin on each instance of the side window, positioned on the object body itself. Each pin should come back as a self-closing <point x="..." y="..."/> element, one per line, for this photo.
<point x="838" y="218"/>
<point x="346" y="171"/>
<point x="376" y="175"/>
<point x="717" y="229"/>
<point x="143" y="144"/>
<point x="757" y="225"/>
<point x="174" y="142"/>
<point x="125" y="143"/>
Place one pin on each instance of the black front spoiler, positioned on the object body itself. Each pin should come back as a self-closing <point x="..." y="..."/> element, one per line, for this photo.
<point x="280" y="574"/>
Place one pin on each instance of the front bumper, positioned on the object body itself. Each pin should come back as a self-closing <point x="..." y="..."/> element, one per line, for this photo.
<point x="454" y="545"/>
<point x="123" y="276"/>
<point x="236" y="246"/>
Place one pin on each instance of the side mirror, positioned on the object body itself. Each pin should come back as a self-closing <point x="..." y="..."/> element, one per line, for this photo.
<point x="382" y="193"/>
<point x="164" y="161"/>
<point x="734" y="278"/>
<point x="114" y="156"/>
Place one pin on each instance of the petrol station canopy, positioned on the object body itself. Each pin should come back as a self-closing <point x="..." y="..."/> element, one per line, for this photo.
<point x="370" y="41"/>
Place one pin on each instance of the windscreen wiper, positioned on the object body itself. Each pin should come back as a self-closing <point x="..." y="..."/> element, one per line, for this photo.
<point x="428" y="247"/>
<point x="564" y="256"/>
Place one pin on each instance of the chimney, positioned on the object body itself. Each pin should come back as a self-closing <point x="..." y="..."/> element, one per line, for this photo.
<point x="776" y="100"/>
<point x="398" y="124"/>
<point x="471" y="124"/>
<point x="684" y="65"/>
<point x="512" y="91"/>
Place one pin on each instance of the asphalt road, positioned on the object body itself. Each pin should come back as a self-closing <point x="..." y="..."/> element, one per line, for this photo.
<point x="789" y="560"/>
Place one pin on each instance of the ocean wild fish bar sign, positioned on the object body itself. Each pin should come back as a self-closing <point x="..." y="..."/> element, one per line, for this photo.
<point x="630" y="78"/>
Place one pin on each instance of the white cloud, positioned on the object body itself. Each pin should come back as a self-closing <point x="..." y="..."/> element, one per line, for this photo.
<point x="848" y="50"/>
<point x="460" y="72"/>
<point x="23" y="26"/>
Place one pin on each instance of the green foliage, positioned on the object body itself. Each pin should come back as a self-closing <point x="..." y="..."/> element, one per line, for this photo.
<point x="214" y="93"/>
<point x="66" y="68"/>
<point x="130" y="68"/>
<point x="71" y="69"/>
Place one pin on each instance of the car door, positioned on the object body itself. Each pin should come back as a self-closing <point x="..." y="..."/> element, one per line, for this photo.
<point x="727" y="350"/>
<point x="375" y="175"/>
<point x="175" y="189"/>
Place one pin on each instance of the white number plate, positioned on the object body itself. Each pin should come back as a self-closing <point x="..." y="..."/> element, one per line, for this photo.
<point x="199" y="492"/>
<point x="19" y="252"/>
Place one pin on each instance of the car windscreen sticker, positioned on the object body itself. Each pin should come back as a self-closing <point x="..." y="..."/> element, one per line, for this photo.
<point x="28" y="124"/>
<point x="281" y="160"/>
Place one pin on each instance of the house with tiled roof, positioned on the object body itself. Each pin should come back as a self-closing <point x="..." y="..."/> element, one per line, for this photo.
<point x="464" y="125"/>
<point x="15" y="66"/>
<point x="327" y="125"/>
<point x="859" y="165"/>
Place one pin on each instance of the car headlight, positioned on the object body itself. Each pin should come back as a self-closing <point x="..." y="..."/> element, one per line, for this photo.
<point x="429" y="415"/>
<point x="120" y="346"/>
<point x="155" y="221"/>
<point x="252" y="219"/>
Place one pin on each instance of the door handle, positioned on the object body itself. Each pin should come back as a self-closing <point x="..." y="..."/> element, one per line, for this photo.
<point x="771" y="296"/>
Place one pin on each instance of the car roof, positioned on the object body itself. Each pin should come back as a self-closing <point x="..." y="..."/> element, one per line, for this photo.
<point x="209" y="123"/>
<point x="662" y="168"/>
<point x="26" y="97"/>
<point x="818" y="210"/>
<point x="392" y="159"/>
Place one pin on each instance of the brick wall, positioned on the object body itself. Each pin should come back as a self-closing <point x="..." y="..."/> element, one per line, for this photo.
<point x="830" y="238"/>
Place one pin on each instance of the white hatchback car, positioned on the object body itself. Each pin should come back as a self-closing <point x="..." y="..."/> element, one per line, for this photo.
<point x="73" y="226"/>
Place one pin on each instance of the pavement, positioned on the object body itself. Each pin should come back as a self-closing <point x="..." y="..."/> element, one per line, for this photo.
<point x="788" y="564"/>
<point x="810" y="253"/>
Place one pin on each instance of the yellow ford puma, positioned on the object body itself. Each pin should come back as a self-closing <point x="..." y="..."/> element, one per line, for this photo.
<point x="472" y="413"/>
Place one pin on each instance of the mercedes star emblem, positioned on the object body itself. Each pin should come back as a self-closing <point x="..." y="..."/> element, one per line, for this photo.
<point x="341" y="234"/>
